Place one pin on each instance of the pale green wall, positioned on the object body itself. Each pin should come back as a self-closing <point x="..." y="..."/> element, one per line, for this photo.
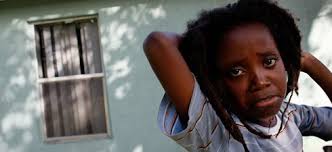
<point x="133" y="91"/>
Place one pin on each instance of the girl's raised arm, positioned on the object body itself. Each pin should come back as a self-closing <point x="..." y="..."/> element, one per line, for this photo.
<point x="161" y="49"/>
<point x="318" y="72"/>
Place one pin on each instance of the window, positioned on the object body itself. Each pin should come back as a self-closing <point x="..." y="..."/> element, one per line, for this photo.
<point x="71" y="79"/>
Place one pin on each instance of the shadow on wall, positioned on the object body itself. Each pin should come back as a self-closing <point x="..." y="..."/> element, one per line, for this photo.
<point x="119" y="38"/>
<point x="19" y="93"/>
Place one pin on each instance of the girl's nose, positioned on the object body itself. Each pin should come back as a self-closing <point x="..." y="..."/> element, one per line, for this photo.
<point x="259" y="80"/>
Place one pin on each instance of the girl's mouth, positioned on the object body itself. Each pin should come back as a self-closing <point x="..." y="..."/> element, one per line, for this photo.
<point x="266" y="101"/>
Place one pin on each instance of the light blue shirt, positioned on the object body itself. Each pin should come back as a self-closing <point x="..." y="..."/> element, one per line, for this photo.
<point x="205" y="131"/>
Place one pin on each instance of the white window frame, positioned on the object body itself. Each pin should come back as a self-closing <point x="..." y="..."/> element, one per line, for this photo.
<point x="40" y="81"/>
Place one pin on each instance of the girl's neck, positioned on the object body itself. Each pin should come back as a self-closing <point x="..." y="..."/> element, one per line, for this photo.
<point x="266" y="122"/>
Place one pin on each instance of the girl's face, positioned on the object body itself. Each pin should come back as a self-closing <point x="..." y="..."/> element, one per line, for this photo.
<point x="253" y="72"/>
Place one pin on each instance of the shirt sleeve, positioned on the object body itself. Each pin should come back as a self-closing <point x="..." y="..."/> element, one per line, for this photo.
<point x="314" y="121"/>
<point x="201" y="127"/>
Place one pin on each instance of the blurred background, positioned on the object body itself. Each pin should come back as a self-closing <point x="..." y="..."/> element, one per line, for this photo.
<point x="129" y="92"/>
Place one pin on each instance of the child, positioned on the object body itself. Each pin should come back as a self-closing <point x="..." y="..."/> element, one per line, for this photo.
<point x="227" y="76"/>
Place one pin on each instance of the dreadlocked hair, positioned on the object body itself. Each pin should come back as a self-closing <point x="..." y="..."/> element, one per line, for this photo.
<point x="199" y="47"/>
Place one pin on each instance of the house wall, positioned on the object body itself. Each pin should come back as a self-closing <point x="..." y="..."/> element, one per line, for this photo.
<point x="133" y="91"/>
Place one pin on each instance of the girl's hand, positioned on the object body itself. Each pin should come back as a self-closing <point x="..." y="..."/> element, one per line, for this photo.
<point x="318" y="72"/>
<point x="306" y="61"/>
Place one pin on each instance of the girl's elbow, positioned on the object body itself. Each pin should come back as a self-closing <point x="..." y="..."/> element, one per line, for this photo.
<point x="153" y="40"/>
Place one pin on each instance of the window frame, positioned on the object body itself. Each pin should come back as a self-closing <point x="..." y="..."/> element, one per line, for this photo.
<point x="41" y="81"/>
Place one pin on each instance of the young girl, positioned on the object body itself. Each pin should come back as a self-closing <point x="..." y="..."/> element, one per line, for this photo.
<point x="227" y="76"/>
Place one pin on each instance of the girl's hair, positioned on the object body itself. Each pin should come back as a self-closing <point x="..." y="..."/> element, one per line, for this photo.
<point x="200" y="43"/>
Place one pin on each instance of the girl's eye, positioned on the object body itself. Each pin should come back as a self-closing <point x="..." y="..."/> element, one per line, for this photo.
<point x="270" y="62"/>
<point x="235" y="72"/>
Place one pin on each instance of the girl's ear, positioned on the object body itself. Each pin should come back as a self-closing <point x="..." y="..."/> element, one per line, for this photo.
<point x="219" y="86"/>
<point x="222" y="92"/>
<point x="293" y="85"/>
